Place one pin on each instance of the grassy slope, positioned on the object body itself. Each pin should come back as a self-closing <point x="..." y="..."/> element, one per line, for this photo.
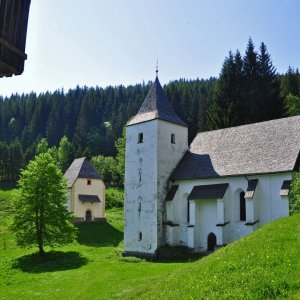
<point x="264" y="265"/>
<point x="90" y="268"/>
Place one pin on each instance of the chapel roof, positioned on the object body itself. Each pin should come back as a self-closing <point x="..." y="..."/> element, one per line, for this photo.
<point x="156" y="106"/>
<point x="80" y="168"/>
<point x="266" y="147"/>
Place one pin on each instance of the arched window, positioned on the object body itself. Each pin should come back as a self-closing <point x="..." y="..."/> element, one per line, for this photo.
<point x="242" y="207"/>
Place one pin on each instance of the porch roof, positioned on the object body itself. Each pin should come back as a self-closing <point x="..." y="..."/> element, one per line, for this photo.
<point x="252" y="183"/>
<point x="211" y="191"/>
<point x="89" y="198"/>
<point x="285" y="188"/>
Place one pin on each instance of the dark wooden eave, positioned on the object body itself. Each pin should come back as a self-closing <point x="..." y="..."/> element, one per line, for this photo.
<point x="13" y="30"/>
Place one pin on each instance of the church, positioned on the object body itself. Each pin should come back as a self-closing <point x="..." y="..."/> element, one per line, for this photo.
<point x="225" y="185"/>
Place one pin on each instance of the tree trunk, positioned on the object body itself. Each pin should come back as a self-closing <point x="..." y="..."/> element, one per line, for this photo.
<point x="41" y="250"/>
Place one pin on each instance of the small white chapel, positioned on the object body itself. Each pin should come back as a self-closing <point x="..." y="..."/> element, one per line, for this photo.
<point x="225" y="185"/>
<point x="86" y="191"/>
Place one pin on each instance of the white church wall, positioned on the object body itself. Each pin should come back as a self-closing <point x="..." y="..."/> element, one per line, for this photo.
<point x="168" y="156"/>
<point x="147" y="171"/>
<point x="140" y="232"/>
<point x="267" y="205"/>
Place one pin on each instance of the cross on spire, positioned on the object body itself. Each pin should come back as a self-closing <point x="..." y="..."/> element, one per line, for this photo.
<point x="156" y="68"/>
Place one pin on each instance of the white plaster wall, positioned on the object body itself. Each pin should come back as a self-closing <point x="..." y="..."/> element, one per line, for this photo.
<point x="141" y="161"/>
<point x="80" y="187"/>
<point x="268" y="206"/>
<point x="153" y="160"/>
<point x="168" y="156"/>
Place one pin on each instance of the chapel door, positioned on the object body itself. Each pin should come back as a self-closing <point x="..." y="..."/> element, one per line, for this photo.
<point x="211" y="242"/>
<point x="88" y="216"/>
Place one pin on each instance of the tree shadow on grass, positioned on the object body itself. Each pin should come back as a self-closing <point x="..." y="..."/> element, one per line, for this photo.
<point x="169" y="254"/>
<point x="99" y="234"/>
<point x="51" y="261"/>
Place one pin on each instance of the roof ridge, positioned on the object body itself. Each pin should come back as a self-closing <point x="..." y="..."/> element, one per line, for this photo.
<point x="250" y="124"/>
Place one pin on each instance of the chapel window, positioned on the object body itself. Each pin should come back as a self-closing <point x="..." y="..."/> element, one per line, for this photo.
<point x="89" y="182"/>
<point x="173" y="138"/>
<point x="242" y="207"/>
<point x="140" y="138"/>
<point x="188" y="211"/>
<point x="140" y="236"/>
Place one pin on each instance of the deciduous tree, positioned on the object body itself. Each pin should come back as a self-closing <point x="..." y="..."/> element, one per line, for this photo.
<point x="42" y="218"/>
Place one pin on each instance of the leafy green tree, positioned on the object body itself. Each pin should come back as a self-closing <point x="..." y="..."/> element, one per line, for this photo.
<point x="290" y="83"/>
<point x="120" y="145"/>
<point x="42" y="146"/>
<point x="292" y="105"/>
<point x="294" y="197"/>
<point x="106" y="166"/>
<point x="65" y="153"/>
<point x="42" y="218"/>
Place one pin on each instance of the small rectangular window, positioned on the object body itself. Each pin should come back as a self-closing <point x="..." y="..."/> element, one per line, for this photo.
<point x="89" y="182"/>
<point x="140" y="236"/>
<point x="140" y="138"/>
<point x="140" y="207"/>
<point x="173" y="138"/>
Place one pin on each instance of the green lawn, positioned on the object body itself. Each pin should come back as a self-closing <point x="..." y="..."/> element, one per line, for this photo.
<point x="264" y="265"/>
<point x="90" y="268"/>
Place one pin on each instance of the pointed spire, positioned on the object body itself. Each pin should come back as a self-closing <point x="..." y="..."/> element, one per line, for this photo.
<point x="156" y="106"/>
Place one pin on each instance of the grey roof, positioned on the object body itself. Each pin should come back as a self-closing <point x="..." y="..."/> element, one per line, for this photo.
<point x="80" y="168"/>
<point x="89" y="198"/>
<point x="252" y="183"/>
<point x="171" y="193"/>
<point x="266" y="147"/>
<point x="210" y="191"/>
<point x="156" y="106"/>
<point x="285" y="188"/>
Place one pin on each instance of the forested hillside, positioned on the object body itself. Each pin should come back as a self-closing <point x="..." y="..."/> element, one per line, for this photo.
<point x="248" y="90"/>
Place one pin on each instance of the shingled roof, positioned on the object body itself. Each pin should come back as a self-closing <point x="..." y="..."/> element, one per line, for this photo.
<point x="266" y="147"/>
<point x="156" y="106"/>
<point x="80" y="168"/>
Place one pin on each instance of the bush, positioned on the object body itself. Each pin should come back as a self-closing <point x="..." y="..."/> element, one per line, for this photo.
<point x="114" y="198"/>
<point x="294" y="197"/>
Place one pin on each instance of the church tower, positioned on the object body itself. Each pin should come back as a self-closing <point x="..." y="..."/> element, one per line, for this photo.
<point x="156" y="140"/>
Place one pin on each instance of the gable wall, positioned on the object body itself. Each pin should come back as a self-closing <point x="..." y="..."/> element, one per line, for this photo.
<point x="97" y="187"/>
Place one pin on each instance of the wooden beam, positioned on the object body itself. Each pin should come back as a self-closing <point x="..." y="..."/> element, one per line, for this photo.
<point x="6" y="68"/>
<point x="12" y="48"/>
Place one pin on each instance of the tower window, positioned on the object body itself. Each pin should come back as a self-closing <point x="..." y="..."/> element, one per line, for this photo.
<point x="173" y="138"/>
<point x="242" y="207"/>
<point x="188" y="211"/>
<point x="140" y="138"/>
<point x="89" y="182"/>
<point x="140" y="236"/>
<point x="140" y="207"/>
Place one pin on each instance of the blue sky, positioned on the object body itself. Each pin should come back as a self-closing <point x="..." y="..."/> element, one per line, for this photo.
<point x="111" y="42"/>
